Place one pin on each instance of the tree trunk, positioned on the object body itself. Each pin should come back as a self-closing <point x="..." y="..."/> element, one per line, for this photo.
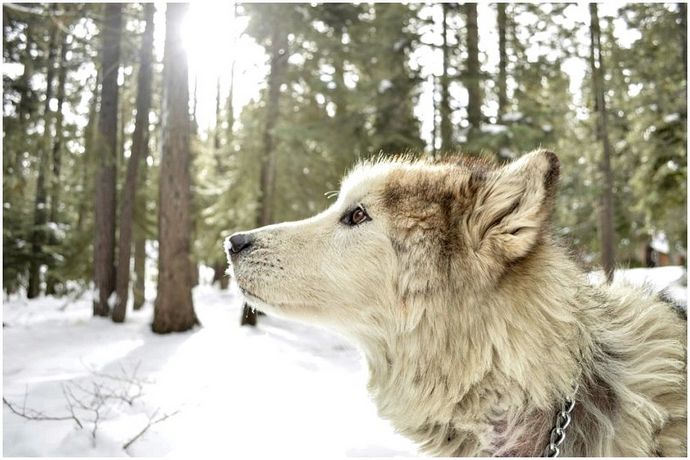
<point x="472" y="77"/>
<point x="502" y="62"/>
<point x="219" y="275"/>
<point x="607" y="231"/>
<point x="231" y="106"/>
<point x="446" y="124"/>
<point x="195" y="123"/>
<point x="340" y="93"/>
<point x="140" y="140"/>
<point x="434" y="118"/>
<point x="683" y="13"/>
<point x="38" y="232"/>
<point x="279" y="56"/>
<point x="216" y="132"/>
<point x="57" y="156"/>
<point x="139" y="284"/>
<point x="106" y="142"/>
<point x="174" y="308"/>
<point x="90" y="133"/>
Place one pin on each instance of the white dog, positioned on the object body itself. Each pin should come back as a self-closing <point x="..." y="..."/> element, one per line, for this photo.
<point x="478" y="329"/>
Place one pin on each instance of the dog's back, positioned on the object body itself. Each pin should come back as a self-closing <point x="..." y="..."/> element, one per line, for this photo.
<point x="632" y="400"/>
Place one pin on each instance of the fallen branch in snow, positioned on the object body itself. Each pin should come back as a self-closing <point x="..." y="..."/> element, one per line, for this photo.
<point x="31" y="414"/>
<point x="152" y="422"/>
<point x="93" y="400"/>
<point x="95" y="405"/>
<point x="134" y="385"/>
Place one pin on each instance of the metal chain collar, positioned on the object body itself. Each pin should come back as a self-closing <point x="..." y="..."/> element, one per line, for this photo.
<point x="563" y="419"/>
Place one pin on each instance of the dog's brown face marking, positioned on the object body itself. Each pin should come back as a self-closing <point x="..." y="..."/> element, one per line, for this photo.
<point x="428" y="204"/>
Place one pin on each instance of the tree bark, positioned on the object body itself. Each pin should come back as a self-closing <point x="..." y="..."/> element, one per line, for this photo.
<point x="51" y="281"/>
<point x="502" y="62"/>
<point x="279" y="56"/>
<point x="434" y="118"/>
<point x="219" y="275"/>
<point x="105" y="187"/>
<point x="683" y="13"/>
<point x="57" y="144"/>
<point x="195" y="122"/>
<point x="472" y="77"/>
<point x="38" y="232"/>
<point x="446" y="126"/>
<point x="138" y="287"/>
<point x="174" y="308"/>
<point x="90" y="134"/>
<point x="607" y="231"/>
<point x="139" y="284"/>
<point x="140" y="140"/>
<point x="231" y="106"/>
<point x="220" y="166"/>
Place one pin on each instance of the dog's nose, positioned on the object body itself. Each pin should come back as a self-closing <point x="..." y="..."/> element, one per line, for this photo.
<point x="240" y="242"/>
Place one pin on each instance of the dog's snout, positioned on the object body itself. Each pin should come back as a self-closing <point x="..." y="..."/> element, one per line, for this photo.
<point x="240" y="242"/>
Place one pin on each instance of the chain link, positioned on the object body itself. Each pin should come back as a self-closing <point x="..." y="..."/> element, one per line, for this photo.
<point x="563" y="419"/>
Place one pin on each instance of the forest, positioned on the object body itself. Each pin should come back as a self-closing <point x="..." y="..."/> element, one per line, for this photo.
<point x="136" y="138"/>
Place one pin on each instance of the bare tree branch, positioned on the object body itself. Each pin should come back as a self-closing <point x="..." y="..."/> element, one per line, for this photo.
<point x="96" y="397"/>
<point x="152" y="422"/>
<point x="31" y="414"/>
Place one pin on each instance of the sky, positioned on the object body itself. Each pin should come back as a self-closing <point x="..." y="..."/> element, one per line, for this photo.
<point x="214" y="37"/>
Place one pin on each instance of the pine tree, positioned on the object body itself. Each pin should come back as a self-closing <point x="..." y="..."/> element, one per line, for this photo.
<point x="596" y="64"/>
<point x="105" y="191"/>
<point x="502" y="83"/>
<point x="39" y="230"/>
<point x="139" y="151"/>
<point x="472" y="74"/>
<point x="444" y="107"/>
<point x="174" y="307"/>
<point x="54" y="218"/>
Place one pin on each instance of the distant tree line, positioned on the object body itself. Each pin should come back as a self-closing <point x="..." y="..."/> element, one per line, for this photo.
<point x="104" y="159"/>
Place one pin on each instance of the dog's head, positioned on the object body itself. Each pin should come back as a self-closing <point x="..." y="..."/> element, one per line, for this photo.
<point x="399" y="233"/>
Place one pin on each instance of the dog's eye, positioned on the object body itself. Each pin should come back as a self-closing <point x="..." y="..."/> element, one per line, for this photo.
<point x="355" y="216"/>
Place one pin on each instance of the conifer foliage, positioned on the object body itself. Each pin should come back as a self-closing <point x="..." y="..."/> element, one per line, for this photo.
<point x="111" y="166"/>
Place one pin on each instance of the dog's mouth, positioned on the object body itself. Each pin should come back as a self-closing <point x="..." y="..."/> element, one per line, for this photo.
<point x="253" y="299"/>
<point x="249" y="294"/>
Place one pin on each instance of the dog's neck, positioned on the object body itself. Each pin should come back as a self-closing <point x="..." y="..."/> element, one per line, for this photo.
<point x="461" y="380"/>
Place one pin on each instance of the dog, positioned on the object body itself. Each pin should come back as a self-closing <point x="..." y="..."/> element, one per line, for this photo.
<point x="481" y="335"/>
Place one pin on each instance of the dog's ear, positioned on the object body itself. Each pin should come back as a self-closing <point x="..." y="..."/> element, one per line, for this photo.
<point x="514" y="204"/>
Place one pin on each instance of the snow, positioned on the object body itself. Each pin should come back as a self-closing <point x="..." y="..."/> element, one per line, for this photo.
<point x="281" y="389"/>
<point x="513" y="116"/>
<point x="385" y="85"/>
<point x="672" y="279"/>
<point x="671" y="117"/>
<point x="660" y="243"/>
<point x="493" y="129"/>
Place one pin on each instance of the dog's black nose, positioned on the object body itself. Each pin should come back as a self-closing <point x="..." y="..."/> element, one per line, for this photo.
<point x="240" y="242"/>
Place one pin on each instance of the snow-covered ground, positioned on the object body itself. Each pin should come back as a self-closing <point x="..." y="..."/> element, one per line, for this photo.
<point x="282" y="389"/>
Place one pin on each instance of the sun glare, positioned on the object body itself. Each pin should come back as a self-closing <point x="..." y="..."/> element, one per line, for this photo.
<point x="213" y="38"/>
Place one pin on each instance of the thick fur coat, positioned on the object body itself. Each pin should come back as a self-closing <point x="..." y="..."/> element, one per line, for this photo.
<point x="475" y="323"/>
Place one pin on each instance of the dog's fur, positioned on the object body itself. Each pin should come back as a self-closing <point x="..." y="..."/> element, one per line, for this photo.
<point x="475" y="324"/>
